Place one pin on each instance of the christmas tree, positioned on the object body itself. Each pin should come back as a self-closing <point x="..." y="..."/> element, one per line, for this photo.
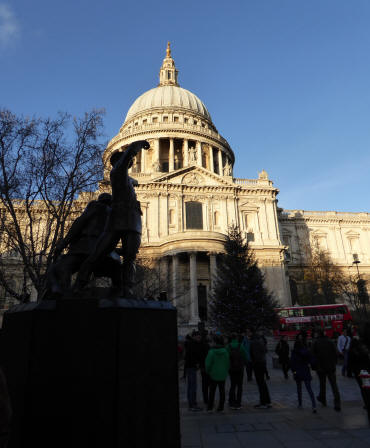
<point x="239" y="298"/>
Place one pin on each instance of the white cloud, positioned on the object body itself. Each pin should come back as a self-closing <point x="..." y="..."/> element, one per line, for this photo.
<point x="9" y="27"/>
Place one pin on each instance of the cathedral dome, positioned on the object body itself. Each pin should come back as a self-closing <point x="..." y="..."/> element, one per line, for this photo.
<point x="178" y="127"/>
<point x="168" y="96"/>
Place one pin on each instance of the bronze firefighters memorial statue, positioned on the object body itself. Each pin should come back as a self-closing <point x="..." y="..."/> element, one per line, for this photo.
<point x="88" y="368"/>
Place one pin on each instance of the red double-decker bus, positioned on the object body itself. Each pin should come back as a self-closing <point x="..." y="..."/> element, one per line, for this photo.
<point x="330" y="318"/>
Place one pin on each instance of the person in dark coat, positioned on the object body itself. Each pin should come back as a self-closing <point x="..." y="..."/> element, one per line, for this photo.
<point x="246" y="345"/>
<point x="238" y="359"/>
<point x="262" y="336"/>
<point x="192" y="364"/>
<point x="282" y="350"/>
<point x="204" y="349"/>
<point x="258" y="357"/>
<point x="300" y="365"/>
<point x="359" y="359"/>
<point x="326" y="358"/>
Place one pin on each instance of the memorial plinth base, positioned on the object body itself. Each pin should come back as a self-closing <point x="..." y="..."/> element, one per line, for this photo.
<point x="86" y="373"/>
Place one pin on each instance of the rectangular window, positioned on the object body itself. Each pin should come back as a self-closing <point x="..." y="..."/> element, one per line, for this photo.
<point x="165" y="119"/>
<point x="194" y="215"/>
<point x="175" y="119"/>
<point x="186" y="120"/>
<point x="155" y="119"/>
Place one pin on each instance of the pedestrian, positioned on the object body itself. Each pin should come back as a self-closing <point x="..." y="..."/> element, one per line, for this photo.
<point x="262" y="336"/>
<point x="343" y="346"/>
<point x="300" y="364"/>
<point x="359" y="359"/>
<point x="246" y="345"/>
<point x="192" y="363"/>
<point x="282" y="350"/>
<point x="204" y="349"/>
<point x="217" y="366"/>
<point x="238" y="359"/>
<point x="326" y="358"/>
<point x="258" y="357"/>
<point x="303" y="337"/>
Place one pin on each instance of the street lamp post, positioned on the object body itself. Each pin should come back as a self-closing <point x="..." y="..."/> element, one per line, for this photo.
<point x="356" y="261"/>
<point x="361" y="285"/>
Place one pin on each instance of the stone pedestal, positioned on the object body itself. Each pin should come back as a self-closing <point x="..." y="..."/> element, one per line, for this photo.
<point x="86" y="373"/>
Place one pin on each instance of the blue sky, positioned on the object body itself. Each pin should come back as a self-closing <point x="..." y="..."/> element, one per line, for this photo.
<point x="287" y="82"/>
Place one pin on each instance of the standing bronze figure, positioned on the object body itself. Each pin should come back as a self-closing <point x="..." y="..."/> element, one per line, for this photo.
<point x="124" y="221"/>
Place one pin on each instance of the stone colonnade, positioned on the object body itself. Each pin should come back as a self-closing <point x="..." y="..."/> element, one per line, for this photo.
<point x="171" y="153"/>
<point x="174" y="285"/>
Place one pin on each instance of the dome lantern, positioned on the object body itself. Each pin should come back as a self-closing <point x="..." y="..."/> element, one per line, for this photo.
<point x="168" y="73"/>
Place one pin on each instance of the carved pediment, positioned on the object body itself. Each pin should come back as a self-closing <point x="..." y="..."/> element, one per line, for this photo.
<point x="193" y="175"/>
<point x="192" y="179"/>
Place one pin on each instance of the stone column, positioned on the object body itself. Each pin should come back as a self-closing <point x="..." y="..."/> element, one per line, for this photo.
<point x="171" y="157"/>
<point x="211" y="165"/>
<point x="156" y="154"/>
<point x="175" y="268"/>
<point x="142" y="167"/>
<point x="212" y="269"/>
<point x="199" y="153"/>
<point x="186" y="152"/>
<point x="220" y="165"/>
<point x="193" y="288"/>
<point x="163" y="277"/>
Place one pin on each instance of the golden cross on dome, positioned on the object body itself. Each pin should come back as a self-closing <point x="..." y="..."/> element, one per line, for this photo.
<point x="168" y="51"/>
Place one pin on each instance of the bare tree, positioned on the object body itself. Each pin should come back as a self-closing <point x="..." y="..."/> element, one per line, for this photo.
<point x="354" y="291"/>
<point x="323" y="280"/>
<point x="152" y="282"/>
<point x="44" y="165"/>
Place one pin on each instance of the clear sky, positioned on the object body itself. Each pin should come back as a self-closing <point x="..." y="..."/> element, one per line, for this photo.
<point x="287" y="82"/>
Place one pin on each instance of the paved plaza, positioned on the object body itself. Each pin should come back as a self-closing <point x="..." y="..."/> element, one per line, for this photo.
<point x="283" y="426"/>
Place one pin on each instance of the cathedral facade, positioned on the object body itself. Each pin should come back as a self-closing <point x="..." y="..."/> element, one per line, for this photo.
<point x="189" y="198"/>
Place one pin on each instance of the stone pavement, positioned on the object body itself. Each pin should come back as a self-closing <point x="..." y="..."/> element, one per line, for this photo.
<point x="284" y="425"/>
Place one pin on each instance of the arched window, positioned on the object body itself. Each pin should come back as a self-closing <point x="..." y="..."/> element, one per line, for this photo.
<point x="194" y="215"/>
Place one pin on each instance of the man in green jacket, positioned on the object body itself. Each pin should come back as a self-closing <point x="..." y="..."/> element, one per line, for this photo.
<point x="217" y="366"/>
